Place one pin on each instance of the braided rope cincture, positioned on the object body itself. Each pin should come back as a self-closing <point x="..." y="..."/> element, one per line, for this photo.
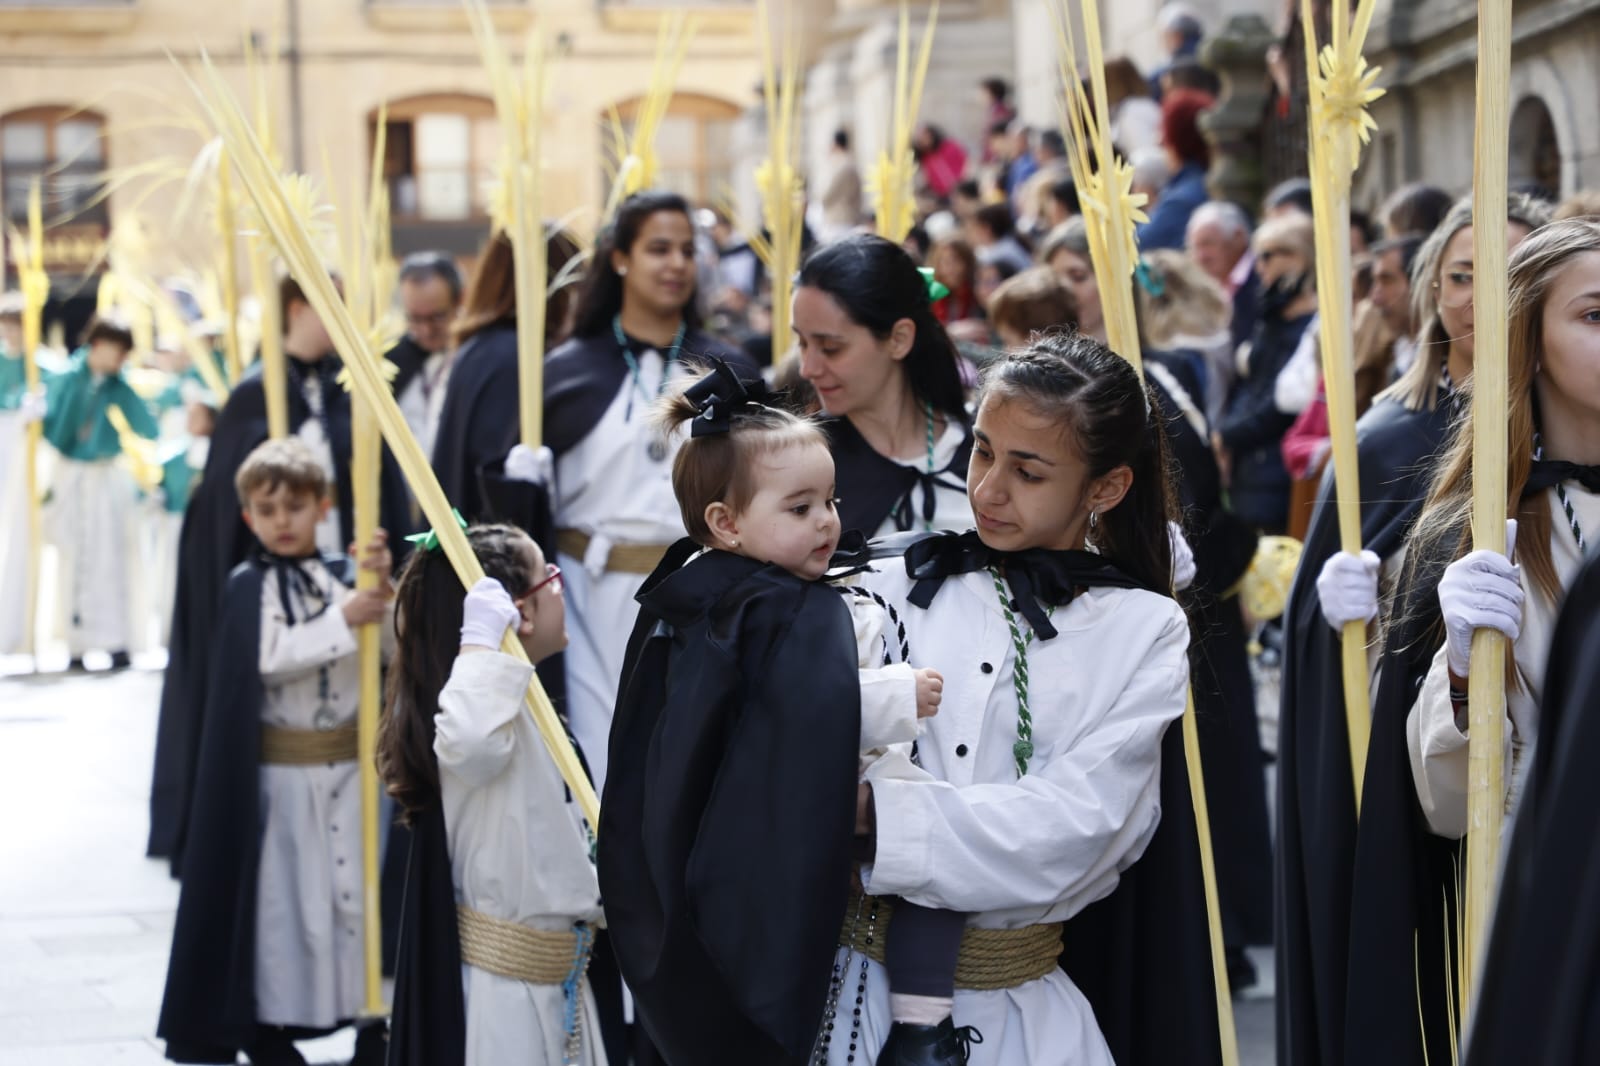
<point x="308" y="747"/>
<point x="989" y="959"/>
<point x="1022" y="750"/>
<point x="514" y="950"/>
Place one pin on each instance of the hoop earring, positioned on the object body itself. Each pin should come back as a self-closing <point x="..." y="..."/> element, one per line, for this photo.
<point x="1094" y="520"/>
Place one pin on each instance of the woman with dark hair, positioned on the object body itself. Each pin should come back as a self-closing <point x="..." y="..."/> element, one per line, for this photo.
<point x="478" y="422"/>
<point x="940" y="159"/>
<point x="637" y="329"/>
<point x="888" y="375"/>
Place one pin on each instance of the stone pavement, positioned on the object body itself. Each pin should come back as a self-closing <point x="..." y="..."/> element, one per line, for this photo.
<point x="85" y="918"/>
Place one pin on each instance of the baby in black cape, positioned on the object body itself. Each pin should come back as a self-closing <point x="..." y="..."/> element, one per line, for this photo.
<point x="751" y="693"/>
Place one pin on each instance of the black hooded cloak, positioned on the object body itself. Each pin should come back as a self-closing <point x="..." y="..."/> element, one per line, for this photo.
<point x="729" y="813"/>
<point x="213" y="540"/>
<point x="1539" y="996"/>
<point x="871" y="488"/>
<point x="1316" y="797"/>
<point x="208" y="1010"/>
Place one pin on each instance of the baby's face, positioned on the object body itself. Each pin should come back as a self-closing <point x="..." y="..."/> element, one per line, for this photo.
<point x="792" y="521"/>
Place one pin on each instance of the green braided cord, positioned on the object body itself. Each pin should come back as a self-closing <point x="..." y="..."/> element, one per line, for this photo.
<point x="1022" y="750"/>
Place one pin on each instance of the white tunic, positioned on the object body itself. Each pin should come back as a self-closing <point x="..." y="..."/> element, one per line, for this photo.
<point x="609" y="487"/>
<point x="518" y="852"/>
<point x="14" y="533"/>
<point x="1021" y="852"/>
<point x="309" y="933"/>
<point x="92" y="520"/>
<point x="1438" y="745"/>
<point x="951" y="508"/>
<point x="422" y="401"/>
<point x="888" y="693"/>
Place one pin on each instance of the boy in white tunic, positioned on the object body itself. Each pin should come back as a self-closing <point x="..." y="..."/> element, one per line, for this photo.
<point x="301" y="897"/>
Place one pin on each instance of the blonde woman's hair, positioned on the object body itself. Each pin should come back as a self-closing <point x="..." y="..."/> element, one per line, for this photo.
<point x="1191" y="305"/>
<point x="1445" y="525"/>
<point x="1418" y="387"/>
<point x="1295" y="231"/>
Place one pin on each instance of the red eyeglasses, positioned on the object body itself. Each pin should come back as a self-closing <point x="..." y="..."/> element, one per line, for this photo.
<point x="553" y="576"/>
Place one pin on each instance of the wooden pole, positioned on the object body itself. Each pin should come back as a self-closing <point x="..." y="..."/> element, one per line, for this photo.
<point x="1340" y="88"/>
<point x="35" y="293"/>
<point x="365" y="465"/>
<point x="778" y="177"/>
<point x="1486" y="693"/>
<point x="1112" y="210"/>
<point x="228" y="237"/>
<point x="519" y="106"/>
<point x="893" y="179"/>
<point x="274" y="370"/>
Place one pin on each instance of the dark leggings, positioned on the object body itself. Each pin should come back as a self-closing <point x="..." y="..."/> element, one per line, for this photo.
<point x="921" y="951"/>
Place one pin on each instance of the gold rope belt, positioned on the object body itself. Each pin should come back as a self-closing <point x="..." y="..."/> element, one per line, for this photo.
<point x="306" y="747"/>
<point x="623" y="558"/>
<point x="990" y="958"/>
<point x="511" y="949"/>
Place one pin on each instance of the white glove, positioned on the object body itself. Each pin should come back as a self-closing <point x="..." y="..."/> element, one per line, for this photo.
<point x="1348" y="588"/>
<point x="1182" y="558"/>
<point x="33" y="407"/>
<point x="531" y="464"/>
<point x="1481" y="590"/>
<point x="486" y="614"/>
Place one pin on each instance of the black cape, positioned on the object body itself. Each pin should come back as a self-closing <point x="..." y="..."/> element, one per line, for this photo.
<point x="1224" y="690"/>
<point x="1316" y="798"/>
<point x="408" y="358"/>
<point x="1539" y="996"/>
<point x="1142" y="955"/>
<point x="208" y="1011"/>
<point x="428" y="1021"/>
<point x="212" y="541"/>
<point x="871" y="488"/>
<point x="479" y="423"/>
<point x="729" y="812"/>
<point x="1403" y="884"/>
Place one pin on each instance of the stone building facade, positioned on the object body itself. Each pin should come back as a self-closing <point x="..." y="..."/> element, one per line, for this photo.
<point x="87" y="84"/>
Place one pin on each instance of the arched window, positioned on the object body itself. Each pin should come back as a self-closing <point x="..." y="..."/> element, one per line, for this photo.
<point x="63" y="148"/>
<point x="694" y="144"/>
<point x="1535" y="151"/>
<point x="439" y="157"/>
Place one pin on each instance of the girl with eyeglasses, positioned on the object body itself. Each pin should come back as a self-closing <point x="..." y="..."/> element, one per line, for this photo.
<point x="501" y="898"/>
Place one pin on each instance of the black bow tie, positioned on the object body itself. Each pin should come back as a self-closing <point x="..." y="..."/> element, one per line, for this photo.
<point x="297" y="587"/>
<point x="1549" y="472"/>
<point x="1038" y="578"/>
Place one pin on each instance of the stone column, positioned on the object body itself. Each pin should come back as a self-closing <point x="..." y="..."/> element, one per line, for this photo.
<point x="1233" y="128"/>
